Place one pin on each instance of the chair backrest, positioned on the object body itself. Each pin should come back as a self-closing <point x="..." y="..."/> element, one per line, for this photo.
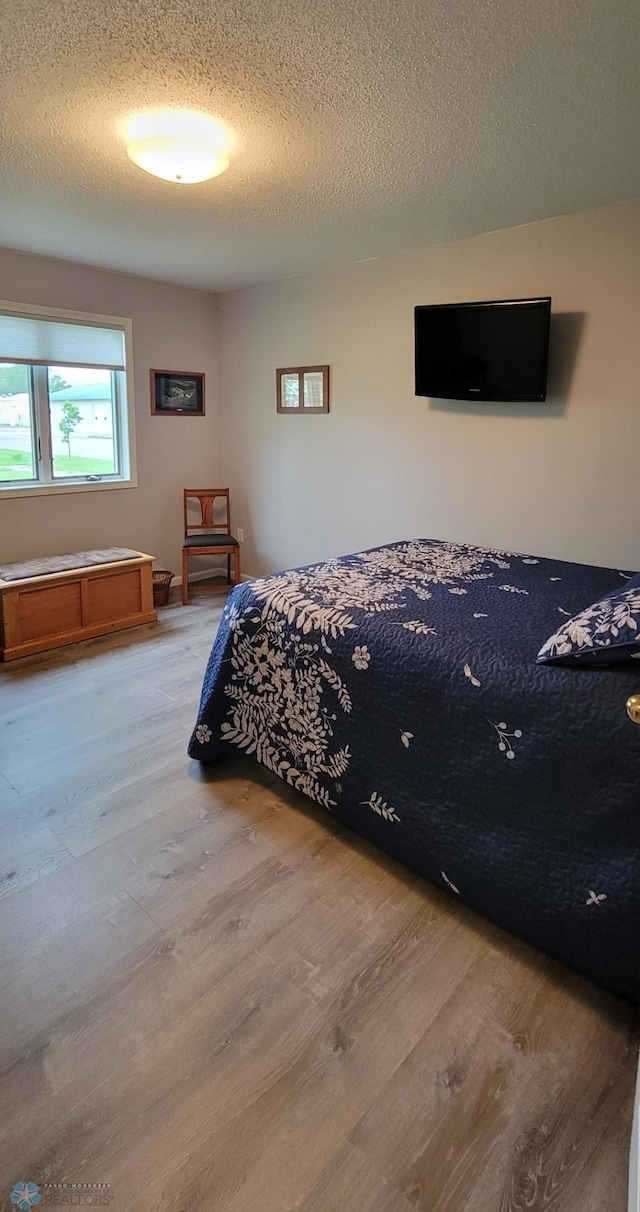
<point x="207" y="498"/>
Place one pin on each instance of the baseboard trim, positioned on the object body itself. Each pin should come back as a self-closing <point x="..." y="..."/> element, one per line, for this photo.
<point x="206" y="575"/>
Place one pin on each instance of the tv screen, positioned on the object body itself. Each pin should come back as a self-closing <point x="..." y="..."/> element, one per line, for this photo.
<point x="483" y="351"/>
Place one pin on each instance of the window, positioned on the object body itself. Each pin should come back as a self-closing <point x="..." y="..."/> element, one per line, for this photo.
<point x="66" y="415"/>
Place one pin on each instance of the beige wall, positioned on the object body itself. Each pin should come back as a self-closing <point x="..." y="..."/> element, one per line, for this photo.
<point x="557" y="479"/>
<point x="173" y="328"/>
<point x="554" y="479"/>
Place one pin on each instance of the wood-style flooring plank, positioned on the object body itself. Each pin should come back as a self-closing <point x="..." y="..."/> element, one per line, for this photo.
<point x="36" y="766"/>
<point x="24" y="861"/>
<point x="350" y="1180"/>
<point x="8" y="794"/>
<point x="499" y="1085"/>
<point x="180" y="1089"/>
<point x="143" y="860"/>
<point x="216" y="998"/>
<point x="85" y="802"/>
<point x="60" y="974"/>
<point x="150" y="983"/>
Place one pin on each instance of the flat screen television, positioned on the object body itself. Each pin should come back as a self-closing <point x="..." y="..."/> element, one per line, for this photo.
<point x="483" y="351"/>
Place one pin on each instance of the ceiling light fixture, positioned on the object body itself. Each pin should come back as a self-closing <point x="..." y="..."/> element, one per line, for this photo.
<point x="178" y="146"/>
<point x="174" y="159"/>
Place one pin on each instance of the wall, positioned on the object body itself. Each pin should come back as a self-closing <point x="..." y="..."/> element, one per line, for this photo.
<point x="173" y="328"/>
<point x="557" y="479"/>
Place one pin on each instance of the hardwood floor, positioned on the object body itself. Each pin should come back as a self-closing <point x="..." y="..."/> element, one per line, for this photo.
<point x="214" y="997"/>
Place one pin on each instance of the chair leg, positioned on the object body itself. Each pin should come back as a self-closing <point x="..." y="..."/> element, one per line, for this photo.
<point x="228" y="569"/>
<point x="185" y="578"/>
<point x="236" y="566"/>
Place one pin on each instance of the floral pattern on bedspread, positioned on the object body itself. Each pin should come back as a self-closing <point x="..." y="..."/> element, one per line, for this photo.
<point x="284" y="694"/>
<point x="390" y="686"/>
<point x="283" y="688"/>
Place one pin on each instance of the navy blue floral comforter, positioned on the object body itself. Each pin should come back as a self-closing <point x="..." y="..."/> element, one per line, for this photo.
<point x="398" y="688"/>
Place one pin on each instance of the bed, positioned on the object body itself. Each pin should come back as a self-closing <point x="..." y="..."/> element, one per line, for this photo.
<point x="398" y="688"/>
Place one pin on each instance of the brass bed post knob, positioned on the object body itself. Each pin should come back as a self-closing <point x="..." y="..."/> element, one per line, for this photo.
<point x="633" y="708"/>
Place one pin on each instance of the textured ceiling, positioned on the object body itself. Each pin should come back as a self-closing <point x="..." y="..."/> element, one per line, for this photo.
<point x="362" y="127"/>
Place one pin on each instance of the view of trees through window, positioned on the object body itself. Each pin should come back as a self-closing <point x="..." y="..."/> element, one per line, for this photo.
<point x="76" y="407"/>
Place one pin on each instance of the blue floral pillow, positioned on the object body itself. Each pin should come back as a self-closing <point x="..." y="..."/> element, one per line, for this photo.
<point x="604" y="634"/>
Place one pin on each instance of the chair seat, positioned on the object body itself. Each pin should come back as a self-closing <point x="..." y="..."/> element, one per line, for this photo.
<point x="210" y="540"/>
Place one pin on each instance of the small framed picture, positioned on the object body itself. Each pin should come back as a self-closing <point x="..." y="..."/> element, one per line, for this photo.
<point x="177" y="393"/>
<point x="302" y="390"/>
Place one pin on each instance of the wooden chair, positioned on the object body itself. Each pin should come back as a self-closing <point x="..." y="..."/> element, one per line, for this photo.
<point x="217" y="541"/>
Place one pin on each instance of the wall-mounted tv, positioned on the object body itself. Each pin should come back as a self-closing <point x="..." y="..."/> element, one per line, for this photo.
<point x="483" y="351"/>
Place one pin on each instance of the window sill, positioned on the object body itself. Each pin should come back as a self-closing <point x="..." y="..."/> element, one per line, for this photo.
<point x="50" y="490"/>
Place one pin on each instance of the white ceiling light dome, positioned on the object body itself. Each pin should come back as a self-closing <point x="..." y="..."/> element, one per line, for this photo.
<point x="178" y="145"/>
<point x="175" y="159"/>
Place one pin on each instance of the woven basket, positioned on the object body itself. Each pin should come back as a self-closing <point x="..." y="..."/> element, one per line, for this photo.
<point x="161" y="586"/>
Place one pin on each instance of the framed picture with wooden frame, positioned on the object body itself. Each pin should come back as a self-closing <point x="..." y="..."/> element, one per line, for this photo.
<point x="302" y="390"/>
<point x="177" y="393"/>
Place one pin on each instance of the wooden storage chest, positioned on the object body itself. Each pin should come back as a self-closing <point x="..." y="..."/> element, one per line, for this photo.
<point x="42" y="612"/>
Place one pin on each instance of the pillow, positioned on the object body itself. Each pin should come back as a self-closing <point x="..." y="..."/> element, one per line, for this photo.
<point x="606" y="633"/>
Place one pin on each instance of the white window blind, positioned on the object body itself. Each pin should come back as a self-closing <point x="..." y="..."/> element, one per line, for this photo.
<point x="40" y="342"/>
